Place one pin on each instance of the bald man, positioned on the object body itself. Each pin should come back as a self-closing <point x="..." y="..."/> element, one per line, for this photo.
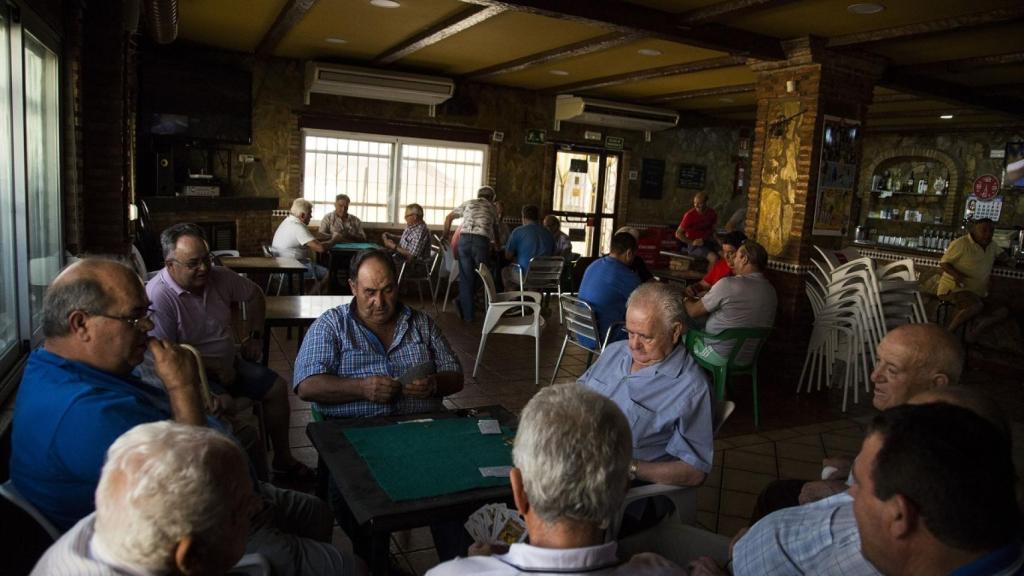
<point x="697" y="228"/>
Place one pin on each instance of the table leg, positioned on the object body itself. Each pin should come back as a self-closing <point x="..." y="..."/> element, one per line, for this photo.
<point x="380" y="552"/>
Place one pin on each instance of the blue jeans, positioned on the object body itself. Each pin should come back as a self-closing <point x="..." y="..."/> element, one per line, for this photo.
<point x="474" y="249"/>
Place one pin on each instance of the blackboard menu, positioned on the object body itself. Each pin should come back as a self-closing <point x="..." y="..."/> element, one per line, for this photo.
<point x="651" y="180"/>
<point x="692" y="176"/>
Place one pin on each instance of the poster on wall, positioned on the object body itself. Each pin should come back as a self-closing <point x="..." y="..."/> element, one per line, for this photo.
<point x="836" y="176"/>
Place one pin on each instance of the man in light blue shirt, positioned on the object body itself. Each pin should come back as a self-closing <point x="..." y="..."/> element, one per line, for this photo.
<point x="607" y="284"/>
<point x="660" y="388"/>
<point x="531" y="240"/>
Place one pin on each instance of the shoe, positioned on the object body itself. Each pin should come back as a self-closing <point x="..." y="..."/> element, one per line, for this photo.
<point x="297" y="472"/>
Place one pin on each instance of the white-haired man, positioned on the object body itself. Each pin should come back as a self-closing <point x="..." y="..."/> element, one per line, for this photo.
<point x="414" y="243"/>
<point x="294" y="240"/>
<point x="172" y="499"/>
<point x="571" y="456"/>
<point x="661" y="389"/>
<point x="340" y="226"/>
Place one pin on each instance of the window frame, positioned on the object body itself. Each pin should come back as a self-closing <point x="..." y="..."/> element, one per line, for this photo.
<point x="395" y="210"/>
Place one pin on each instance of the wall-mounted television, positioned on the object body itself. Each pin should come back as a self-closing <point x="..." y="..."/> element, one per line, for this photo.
<point x="195" y="101"/>
<point x="1014" y="174"/>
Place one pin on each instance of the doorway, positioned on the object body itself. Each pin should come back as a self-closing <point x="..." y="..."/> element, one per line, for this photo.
<point x="584" y="196"/>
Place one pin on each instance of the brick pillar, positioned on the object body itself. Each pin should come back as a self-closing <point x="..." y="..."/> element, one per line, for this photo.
<point x="793" y="97"/>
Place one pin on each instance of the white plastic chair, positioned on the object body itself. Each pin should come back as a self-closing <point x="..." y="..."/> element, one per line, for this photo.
<point x="452" y="266"/>
<point x="495" y="322"/>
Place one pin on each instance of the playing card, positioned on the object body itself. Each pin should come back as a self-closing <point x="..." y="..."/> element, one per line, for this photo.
<point x="496" y="524"/>
<point x="495" y="471"/>
<point x="489" y="426"/>
<point x="416" y="373"/>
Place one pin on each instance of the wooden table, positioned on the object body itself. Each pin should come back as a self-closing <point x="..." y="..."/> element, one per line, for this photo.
<point x="373" y="515"/>
<point x="684" y="277"/>
<point x="340" y="256"/>
<point x="267" y="265"/>
<point x="298" y="311"/>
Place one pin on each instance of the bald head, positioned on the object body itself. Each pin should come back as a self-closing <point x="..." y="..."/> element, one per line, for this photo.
<point x="88" y="285"/>
<point x="935" y="351"/>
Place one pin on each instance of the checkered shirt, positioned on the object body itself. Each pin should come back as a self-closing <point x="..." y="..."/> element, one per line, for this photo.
<point x="478" y="217"/>
<point x="416" y="239"/>
<point x="339" y="344"/>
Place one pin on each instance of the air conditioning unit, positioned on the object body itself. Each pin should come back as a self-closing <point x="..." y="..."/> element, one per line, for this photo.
<point x="583" y="110"/>
<point x="344" y="80"/>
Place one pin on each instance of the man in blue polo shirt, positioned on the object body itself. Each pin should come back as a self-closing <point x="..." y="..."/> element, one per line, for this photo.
<point x="78" y="395"/>
<point x="531" y="240"/>
<point x="607" y="284"/>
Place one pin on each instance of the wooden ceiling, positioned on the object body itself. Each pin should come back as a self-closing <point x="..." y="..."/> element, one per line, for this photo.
<point x="960" y="57"/>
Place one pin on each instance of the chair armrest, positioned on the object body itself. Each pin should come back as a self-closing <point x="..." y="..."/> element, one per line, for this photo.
<point x="516" y="304"/>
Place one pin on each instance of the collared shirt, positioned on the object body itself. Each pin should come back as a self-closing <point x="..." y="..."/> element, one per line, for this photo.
<point x="816" y="538"/>
<point x="1005" y="561"/>
<point x="416" y="239"/>
<point x="291" y="238"/>
<point x="668" y="405"/>
<point x="699" y="224"/>
<point x="530" y="241"/>
<point x="76" y="553"/>
<point x="973" y="261"/>
<point x="478" y="217"/>
<point x="526" y="559"/>
<point x="339" y="344"/>
<point x="202" y="320"/>
<point x="606" y="285"/>
<point x="350" y="227"/>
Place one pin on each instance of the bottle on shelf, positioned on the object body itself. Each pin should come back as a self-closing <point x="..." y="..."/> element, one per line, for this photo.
<point x="922" y="184"/>
<point x="887" y="181"/>
<point x="909" y="184"/>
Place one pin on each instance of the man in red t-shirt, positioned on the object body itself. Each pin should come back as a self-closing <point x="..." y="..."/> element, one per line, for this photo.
<point x="722" y="267"/>
<point x="697" y="228"/>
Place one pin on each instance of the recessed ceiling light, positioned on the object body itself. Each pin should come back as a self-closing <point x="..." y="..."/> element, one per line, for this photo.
<point x="335" y="40"/>
<point x="865" y="8"/>
<point x="558" y="72"/>
<point x="946" y="116"/>
<point x="385" y="3"/>
<point x="726" y="100"/>
<point x="649" y="52"/>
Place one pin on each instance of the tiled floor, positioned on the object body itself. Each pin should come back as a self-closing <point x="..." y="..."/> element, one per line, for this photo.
<point x="797" y="430"/>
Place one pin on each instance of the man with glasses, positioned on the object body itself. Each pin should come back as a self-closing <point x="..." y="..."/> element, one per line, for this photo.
<point x="414" y="243"/>
<point x="192" y="302"/>
<point x="78" y="395"/>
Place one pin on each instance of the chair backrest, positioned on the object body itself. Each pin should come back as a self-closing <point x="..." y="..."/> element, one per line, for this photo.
<point x="580" y="322"/>
<point x="545" y="273"/>
<point x="749" y="341"/>
<point x="26" y="533"/>
<point x="489" y="290"/>
<point x="720" y="413"/>
<point x="578" y="268"/>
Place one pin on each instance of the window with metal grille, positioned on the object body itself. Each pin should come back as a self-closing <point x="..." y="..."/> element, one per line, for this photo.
<point x="381" y="175"/>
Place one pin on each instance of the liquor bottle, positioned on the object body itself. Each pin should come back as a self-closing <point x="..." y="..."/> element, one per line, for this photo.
<point x="909" y="184"/>
<point x="887" y="178"/>
<point x="922" y="184"/>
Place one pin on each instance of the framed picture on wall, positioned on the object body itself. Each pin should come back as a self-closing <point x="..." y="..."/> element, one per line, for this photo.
<point x="837" y="174"/>
<point x="1013" y="176"/>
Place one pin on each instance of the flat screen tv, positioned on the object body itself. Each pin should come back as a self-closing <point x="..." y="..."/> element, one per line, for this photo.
<point x="1014" y="165"/>
<point x="196" y="102"/>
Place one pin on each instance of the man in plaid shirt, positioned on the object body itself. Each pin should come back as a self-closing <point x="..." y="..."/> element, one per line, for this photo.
<point x="414" y="244"/>
<point x="353" y="355"/>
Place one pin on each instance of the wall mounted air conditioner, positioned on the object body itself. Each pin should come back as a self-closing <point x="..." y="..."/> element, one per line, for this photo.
<point x="583" y="110"/>
<point x="344" y="80"/>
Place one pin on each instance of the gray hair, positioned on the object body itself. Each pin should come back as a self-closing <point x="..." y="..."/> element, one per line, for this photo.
<point x="301" y="206"/>
<point x="485" y="192"/>
<point x="85" y="293"/>
<point x="665" y="301"/>
<point x="415" y="209"/>
<point x="343" y="197"/>
<point x="573" y="448"/>
<point x="163" y="481"/>
<point x="169" y="237"/>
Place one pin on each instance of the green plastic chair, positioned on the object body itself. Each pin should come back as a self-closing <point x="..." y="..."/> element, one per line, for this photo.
<point x="317" y="416"/>
<point x="722" y="368"/>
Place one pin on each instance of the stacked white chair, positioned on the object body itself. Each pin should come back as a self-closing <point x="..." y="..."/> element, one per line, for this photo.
<point x="854" y="304"/>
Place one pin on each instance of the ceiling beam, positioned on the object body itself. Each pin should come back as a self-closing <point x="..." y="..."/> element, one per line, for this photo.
<point x="467" y="18"/>
<point x="958" y="23"/>
<point x="964" y="64"/>
<point x="291" y="14"/>
<point x="598" y="44"/>
<point x="702" y="93"/>
<point x="637" y="18"/>
<point x="934" y="88"/>
<point x="650" y="73"/>
<point x="729" y="9"/>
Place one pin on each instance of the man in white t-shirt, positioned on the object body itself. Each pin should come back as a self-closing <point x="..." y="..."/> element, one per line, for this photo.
<point x="294" y="240"/>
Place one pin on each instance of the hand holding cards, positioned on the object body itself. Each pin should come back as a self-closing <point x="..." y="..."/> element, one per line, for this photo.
<point x="496" y="524"/>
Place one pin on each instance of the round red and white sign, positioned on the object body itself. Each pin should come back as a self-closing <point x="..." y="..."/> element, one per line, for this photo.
<point x="986" y="187"/>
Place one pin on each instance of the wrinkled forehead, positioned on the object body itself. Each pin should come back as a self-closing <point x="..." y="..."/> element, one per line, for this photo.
<point x="374" y="275"/>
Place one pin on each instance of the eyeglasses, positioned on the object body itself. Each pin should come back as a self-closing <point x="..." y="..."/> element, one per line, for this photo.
<point x="195" y="263"/>
<point x="131" y="321"/>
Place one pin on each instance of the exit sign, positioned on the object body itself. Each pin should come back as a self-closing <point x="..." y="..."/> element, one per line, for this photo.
<point x="535" y="136"/>
<point x="614" y="143"/>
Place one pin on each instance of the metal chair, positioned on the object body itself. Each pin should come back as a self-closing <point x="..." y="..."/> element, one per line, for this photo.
<point x="580" y="327"/>
<point x="495" y="322"/>
<point x="746" y="345"/>
<point x="544" y="276"/>
<point x="268" y="252"/>
<point x="420" y="271"/>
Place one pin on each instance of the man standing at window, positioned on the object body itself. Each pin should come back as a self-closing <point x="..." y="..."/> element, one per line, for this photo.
<point x="339" y="225"/>
<point x="479" y="233"/>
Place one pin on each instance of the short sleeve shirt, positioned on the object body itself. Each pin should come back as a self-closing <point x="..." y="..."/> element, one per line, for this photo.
<point x="291" y="238"/>
<point x="746" y="301"/>
<point x="973" y="261"/>
<point x="478" y="217"/>
<point x="339" y="344"/>
<point x="530" y="241"/>
<point x="416" y="239"/>
<point x="202" y="320"/>
<point x="606" y="285"/>
<point x="699" y="224"/>
<point x="718" y="271"/>
<point x="350" y="227"/>
<point x="668" y="405"/>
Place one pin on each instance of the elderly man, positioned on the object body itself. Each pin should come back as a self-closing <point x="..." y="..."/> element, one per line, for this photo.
<point x="294" y="240"/>
<point x="966" y="267"/>
<point x="171" y="499"/>
<point x="697" y="228"/>
<point x="660" y="388"/>
<point x="563" y="246"/>
<point x="414" y="243"/>
<point x="478" y="234"/>
<point x="917" y="513"/>
<point x="607" y="284"/>
<point x="744" y="300"/>
<point x="722" y="267"/>
<point x="353" y="356"/>
<point x="339" y="225"/>
<point x="528" y="241"/>
<point x="571" y="458"/>
<point x="78" y="395"/>
<point x="191" y="304"/>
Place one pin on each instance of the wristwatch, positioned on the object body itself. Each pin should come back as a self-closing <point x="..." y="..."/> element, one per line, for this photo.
<point x="633" y="468"/>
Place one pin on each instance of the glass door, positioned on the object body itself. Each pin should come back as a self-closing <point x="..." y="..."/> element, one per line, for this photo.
<point x="584" y="197"/>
